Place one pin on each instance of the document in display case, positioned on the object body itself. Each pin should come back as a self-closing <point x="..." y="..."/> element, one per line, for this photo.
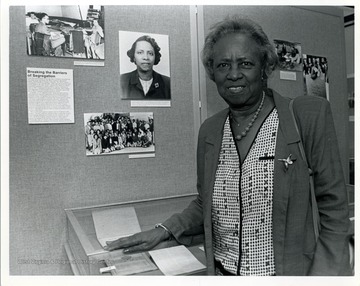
<point x="111" y="224"/>
<point x="87" y="256"/>
<point x="129" y="264"/>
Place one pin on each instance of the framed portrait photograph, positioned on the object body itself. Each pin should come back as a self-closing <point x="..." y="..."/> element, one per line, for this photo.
<point x="144" y="66"/>
<point x="65" y="31"/>
<point x="119" y="133"/>
<point x="289" y="54"/>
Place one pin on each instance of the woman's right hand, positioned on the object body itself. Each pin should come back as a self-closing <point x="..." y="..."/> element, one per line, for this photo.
<point x="139" y="242"/>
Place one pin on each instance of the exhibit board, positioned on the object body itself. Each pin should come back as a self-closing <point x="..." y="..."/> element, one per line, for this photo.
<point x="49" y="170"/>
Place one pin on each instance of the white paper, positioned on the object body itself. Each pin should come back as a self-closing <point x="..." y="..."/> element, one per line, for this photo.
<point x="150" y="103"/>
<point x="288" y="75"/>
<point x="139" y="156"/>
<point x="111" y="224"/>
<point x="89" y="63"/>
<point x="50" y="95"/>
<point x="176" y="260"/>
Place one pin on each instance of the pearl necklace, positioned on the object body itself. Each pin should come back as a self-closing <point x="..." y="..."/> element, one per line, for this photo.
<point x="248" y="127"/>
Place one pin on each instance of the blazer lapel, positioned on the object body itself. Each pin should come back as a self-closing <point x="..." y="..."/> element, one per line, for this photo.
<point x="212" y="150"/>
<point x="287" y="139"/>
<point x="134" y="80"/>
<point x="212" y="147"/>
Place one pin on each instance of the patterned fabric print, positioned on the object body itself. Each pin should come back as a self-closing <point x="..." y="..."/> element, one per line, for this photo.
<point x="225" y="204"/>
<point x="257" y="255"/>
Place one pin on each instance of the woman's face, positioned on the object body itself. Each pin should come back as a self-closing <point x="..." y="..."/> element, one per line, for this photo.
<point x="144" y="56"/>
<point x="237" y="71"/>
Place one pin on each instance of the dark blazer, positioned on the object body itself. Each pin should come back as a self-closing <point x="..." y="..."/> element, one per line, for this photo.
<point x="295" y="250"/>
<point x="131" y="87"/>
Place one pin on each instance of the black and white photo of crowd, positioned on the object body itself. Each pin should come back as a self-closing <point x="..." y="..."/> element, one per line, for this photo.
<point x="289" y="55"/>
<point x="315" y="72"/>
<point x="119" y="133"/>
<point x="315" y="66"/>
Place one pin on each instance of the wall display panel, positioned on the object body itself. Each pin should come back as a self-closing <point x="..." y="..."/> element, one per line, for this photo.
<point x="49" y="170"/>
<point x="65" y="31"/>
<point x="119" y="133"/>
<point x="144" y="66"/>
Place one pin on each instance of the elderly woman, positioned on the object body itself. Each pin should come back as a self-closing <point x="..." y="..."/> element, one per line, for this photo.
<point x="253" y="200"/>
<point x="144" y="82"/>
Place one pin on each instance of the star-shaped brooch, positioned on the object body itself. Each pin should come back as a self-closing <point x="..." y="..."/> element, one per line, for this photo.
<point x="288" y="161"/>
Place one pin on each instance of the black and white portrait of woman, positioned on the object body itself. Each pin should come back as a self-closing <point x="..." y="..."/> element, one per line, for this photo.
<point x="144" y="66"/>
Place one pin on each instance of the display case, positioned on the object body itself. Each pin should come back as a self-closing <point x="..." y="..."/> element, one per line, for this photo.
<point x="86" y="255"/>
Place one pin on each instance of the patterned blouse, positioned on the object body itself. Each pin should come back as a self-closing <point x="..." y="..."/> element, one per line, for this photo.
<point x="242" y="203"/>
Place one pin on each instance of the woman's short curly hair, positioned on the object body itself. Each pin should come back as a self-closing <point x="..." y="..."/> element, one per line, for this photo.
<point x="152" y="42"/>
<point x="269" y="60"/>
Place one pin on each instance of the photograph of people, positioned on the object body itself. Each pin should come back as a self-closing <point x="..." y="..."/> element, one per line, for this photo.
<point x="65" y="31"/>
<point x="289" y="55"/>
<point x="119" y="133"/>
<point x="315" y="73"/>
<point x="144" y="82"/>
<point x="253" y="203"/>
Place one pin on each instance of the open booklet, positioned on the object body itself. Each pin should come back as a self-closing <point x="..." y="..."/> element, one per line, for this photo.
<point x="111" y="224"/>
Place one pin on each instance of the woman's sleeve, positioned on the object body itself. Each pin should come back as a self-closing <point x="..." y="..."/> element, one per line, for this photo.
<point x="190" y="221"/>
<point x="320" y="142"/>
